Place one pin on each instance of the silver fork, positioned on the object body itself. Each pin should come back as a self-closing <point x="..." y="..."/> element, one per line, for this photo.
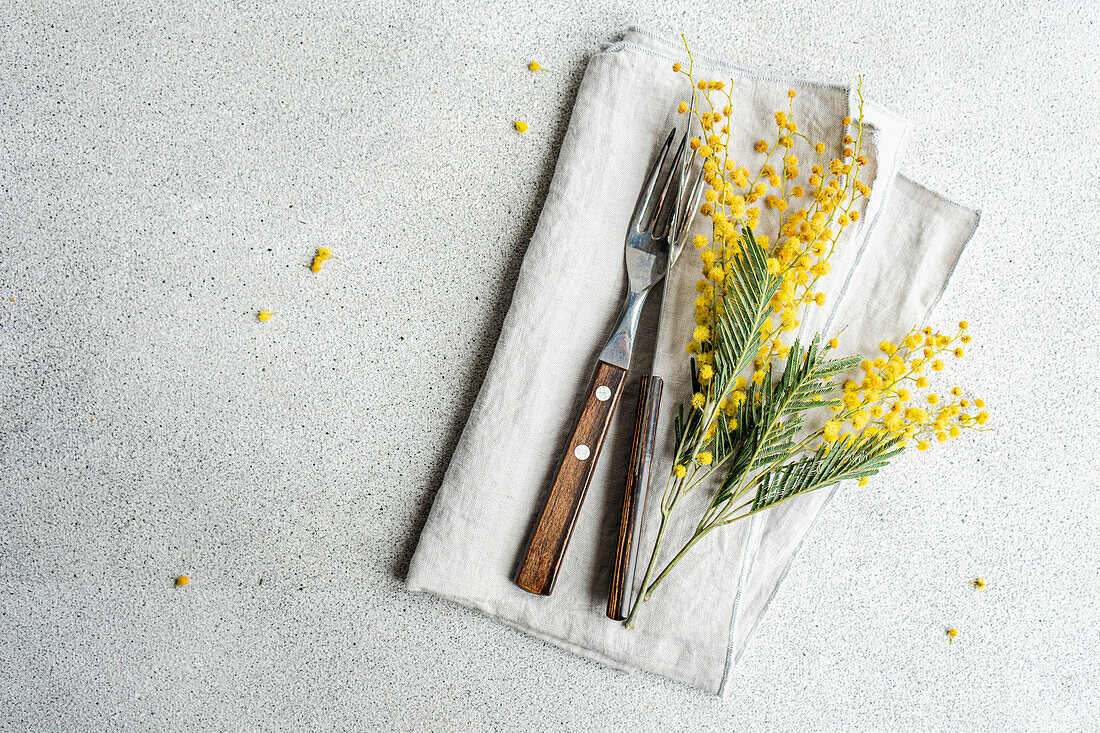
<point x="656" y="235"/>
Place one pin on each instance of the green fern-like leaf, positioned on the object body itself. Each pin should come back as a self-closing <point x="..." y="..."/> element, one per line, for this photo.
<point x="848" y="459"/>
<point x="749" y="290"/>
<point x="772" y="414"/>
<point x="775" y="408"/>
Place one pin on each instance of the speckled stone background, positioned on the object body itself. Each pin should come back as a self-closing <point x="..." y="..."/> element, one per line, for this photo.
<point x="166" y="172"/>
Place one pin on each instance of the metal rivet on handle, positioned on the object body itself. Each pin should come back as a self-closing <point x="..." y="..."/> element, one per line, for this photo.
<point x="603" y="393"/>
<point x="582" y="452"/>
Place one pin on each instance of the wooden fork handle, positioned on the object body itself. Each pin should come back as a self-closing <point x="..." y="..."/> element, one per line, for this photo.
<point x="637" y="483"/>
<point x="559" y="515"/>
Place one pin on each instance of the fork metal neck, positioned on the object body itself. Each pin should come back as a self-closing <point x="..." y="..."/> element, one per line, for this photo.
<point x="618" y="347"/>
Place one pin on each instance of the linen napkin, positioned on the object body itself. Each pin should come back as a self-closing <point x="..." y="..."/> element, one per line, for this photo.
<point x="887" y="275"/>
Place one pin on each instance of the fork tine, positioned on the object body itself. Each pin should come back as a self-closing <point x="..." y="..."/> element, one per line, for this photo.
<point x="663" y="210"/>
<point x="687" y="211"/>
<point x="647" y="189"/>
<point x="676" y="218"/>
<point x="687" y="202"/>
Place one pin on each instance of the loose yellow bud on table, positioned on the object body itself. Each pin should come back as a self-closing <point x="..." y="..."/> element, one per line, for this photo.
<point x="264" y="315"/>
<point x="182" y="581"/>
<point x="521" y="126"/>
<point x="978" y="583"/>
<point x="323" y="253"/>
<point x="534" y="66"/>
<point x="952" y="633"/>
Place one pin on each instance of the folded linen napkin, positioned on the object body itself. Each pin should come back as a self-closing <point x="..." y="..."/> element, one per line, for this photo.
<point x="886" y="276"/>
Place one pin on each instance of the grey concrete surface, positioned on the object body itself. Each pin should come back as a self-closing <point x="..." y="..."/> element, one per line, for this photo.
<point x="166" y="171"/>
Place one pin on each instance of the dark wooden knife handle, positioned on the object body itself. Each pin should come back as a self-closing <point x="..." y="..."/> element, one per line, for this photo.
<point x="637" y="483"/>
<point x="559" y="515"/>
